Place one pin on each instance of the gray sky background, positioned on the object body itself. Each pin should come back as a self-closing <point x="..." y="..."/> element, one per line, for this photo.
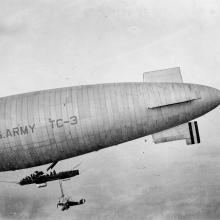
<point x="48" y="44"/>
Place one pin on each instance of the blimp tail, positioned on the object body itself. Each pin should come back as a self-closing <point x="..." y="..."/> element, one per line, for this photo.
<point x="188" y="131"/>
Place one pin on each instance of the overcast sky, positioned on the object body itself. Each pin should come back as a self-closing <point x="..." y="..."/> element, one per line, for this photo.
<point x="49" y="44"/>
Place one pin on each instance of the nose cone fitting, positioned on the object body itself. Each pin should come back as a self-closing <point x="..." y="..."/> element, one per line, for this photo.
<point x="217" y="96"/>
<point x="210" y="97"/>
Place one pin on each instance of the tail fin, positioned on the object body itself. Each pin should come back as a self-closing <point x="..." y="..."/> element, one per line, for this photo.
<point x="164" y="75"/>
<point x="188" y="132"/>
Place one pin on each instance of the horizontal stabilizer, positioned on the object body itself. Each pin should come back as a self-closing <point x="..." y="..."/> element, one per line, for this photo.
<point x="188" y="131"/>
<point x="172" y="75"/>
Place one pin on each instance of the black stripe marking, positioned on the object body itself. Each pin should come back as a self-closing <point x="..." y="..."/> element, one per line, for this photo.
<point x="197" y="132"/>
<point x="191" y="133"/>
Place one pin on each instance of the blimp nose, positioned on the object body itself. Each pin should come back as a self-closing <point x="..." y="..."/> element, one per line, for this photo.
<point x="204" y="98"/>
<point x="216" y="96"/>
<point x="210" y="96"/>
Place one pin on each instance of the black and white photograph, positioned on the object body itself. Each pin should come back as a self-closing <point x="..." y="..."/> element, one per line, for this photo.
<point x="109" y="110"/>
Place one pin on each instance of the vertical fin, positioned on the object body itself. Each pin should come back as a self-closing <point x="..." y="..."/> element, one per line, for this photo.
<point x="188" y="131"/>
<point x="164" y="75"/>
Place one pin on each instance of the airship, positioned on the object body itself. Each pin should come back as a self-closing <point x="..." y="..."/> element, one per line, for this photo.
<point x="48" y="126"/>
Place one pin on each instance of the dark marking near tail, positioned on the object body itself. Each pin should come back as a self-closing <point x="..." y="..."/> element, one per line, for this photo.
<point x="197" y="132"/>
<point x="191" y="133"/>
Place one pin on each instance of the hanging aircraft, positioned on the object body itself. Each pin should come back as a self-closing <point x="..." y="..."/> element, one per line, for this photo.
<point x="47" y="126"/>
<point x="66" y="202"/>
